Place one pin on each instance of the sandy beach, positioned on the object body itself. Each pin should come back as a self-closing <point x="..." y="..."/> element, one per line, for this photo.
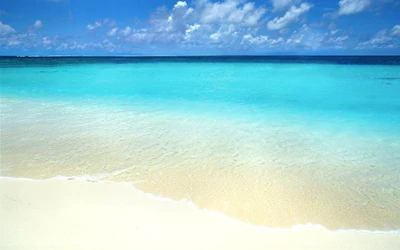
<point x="76" y="214"/>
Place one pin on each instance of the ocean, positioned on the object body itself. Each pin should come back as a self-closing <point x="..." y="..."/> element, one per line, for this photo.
<point x="271" y="141"/>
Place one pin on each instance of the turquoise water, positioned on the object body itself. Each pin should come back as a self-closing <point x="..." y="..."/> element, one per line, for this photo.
<point x="270" y="141"/>
<point x="361" y="93"/>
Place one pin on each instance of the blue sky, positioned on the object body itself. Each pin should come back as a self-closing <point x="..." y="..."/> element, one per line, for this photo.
<point x="199" y="27"/>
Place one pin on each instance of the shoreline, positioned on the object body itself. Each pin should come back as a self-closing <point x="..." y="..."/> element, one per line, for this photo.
<point x="188" y="202"/>
<point x="70" y="214"/>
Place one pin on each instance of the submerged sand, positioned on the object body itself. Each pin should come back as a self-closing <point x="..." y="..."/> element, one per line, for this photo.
<point x="72" y="214"/>
<point x="276" y="173"/>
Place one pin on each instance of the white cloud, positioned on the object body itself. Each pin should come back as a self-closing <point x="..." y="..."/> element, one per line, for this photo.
<point x="126" y="31"/>
<point x="305" y="38"/>
<point x="6" y="29"/>
<point x="230" y="11"/>
<point x="334" y="38"/>
<point x="93" y="26"/>
<point x="112" y="32"/>
<point x="189" y="31"/>
<point x="290" y="16"/>
<point x="47" y="42"/>
<point x="261" y="40"/>
<point x="223" y="32"/>
<point x="105" y="45"/>
<point x="340" y="39"/>
<point x="23" y="40"/>
<point x="281" y="5"/>
<point x="108" y="45"/>
<point x="108" y="22"/>
<point x="71" y="46"/>
<point x="145" y="36"/>
<point x="347" y="7"/>
<point x="204" y="23"/>
<point x="180" y="4"/>
<point x="63" y="46"/>
<point x="333" y="32"/>
<point x="38" y="24"/>
<point x="10" y="41"/>
<point x="396" y="30"/>
<point x="13" y="41"/>
<point x="201" y="25"/>
<point x="380" y="41"/>
<point x="335" y="42"/>
<point x="105" y="23"/>
<point x="255" y="40"/>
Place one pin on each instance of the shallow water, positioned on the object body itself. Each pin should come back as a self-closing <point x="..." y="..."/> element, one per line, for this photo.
<point x="274" y="143"/>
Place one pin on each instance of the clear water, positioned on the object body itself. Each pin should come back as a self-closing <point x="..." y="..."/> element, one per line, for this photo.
<point x="274" y="141"/>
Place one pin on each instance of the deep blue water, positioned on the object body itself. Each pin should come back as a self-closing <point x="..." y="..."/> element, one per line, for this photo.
<point x="9" y="61"/>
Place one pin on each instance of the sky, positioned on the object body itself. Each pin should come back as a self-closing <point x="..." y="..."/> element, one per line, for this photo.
<point x="200" y="27"/>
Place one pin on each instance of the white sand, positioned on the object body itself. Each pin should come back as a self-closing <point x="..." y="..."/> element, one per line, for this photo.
<point x="62" y="214"/>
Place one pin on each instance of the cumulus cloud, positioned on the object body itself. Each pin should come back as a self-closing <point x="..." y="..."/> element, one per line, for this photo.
<point x="90" y="46"/>
<point x="230" y="11"/>
<point x="348" y="7"/>
<point x="254" y="40"/>
<point x="204" y="23"/>
<point x="180" y="4"/>
<point x="126" y="31"/>
<point x="261" y="40"/>
<point x="224" y="34"/>
<point x="333" y="32"/>
<point x="208" y="24"/>
<point x="211" y="25"/>
<point x="22" y="40"/>
<point x="93" y="26"/>
<point x="37" y="25"/>
<point x="281" y="5"/>
<point x="108" y="45"/>
<point x="112" y="32"/>
<point x="396" y="30"/>
<point x="340" y="39"/>
<point x="6" y="29"/>
<point x="290" y="16"/>
<point x="189" y="31"/>
<point x="47" y="42"/>
<point x="305" y="38"/>
<point x="381" y="40"/>
<point x="108" y="22"/>
<point x="337" y="42"/>
<point x="105" y="23"/>
<point x="29" y="39"/>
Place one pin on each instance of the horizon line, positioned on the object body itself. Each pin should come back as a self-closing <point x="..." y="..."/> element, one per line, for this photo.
<point x="239" y="55"/>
